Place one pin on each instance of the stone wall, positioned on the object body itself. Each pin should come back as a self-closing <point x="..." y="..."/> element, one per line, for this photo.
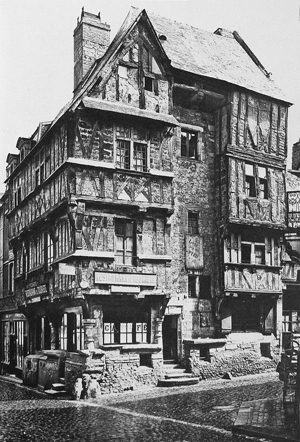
<point x="112" y="371"/>
<point x="237" y="355"/>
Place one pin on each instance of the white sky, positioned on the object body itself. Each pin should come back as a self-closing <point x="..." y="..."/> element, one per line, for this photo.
<point x="36" y="51"/>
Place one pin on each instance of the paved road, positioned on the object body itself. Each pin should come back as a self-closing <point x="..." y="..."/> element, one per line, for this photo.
<point x="202" y="413"/>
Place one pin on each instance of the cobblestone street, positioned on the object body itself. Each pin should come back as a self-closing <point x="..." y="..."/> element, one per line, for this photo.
<point x="204" y="412"/>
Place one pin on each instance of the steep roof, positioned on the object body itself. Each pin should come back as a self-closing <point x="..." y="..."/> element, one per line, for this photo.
<point x="214" y="56"/>
<point x="192" y="50"/>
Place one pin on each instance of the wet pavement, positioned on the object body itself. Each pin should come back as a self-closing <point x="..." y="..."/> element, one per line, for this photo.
<point x="204" y="412"/>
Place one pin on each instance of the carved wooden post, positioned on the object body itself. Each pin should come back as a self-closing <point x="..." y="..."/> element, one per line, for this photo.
<point x="52" y="336"/>
<point x="279" y="317"/>
<point x="158" y="335"/>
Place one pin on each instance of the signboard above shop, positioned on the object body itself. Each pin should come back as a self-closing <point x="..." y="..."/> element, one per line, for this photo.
<point x="131" y="279"/>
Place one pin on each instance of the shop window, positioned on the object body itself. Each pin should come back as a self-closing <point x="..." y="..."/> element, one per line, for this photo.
<point x="193" y="223"/>
<point x="246" y="314"/>
<point x="109" y="332"/>
<point x="124" y="242"/>
<point x="71" y="332"/>
<point x="189" y="144"/>
<point x="291" y="321"/>
<point x="125" y="332"/>
<point x="5" y="332"/>
<point x="42" y="333"/>
<point x="141" y="330"/>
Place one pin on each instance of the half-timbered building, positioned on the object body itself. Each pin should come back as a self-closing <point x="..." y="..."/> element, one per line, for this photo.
<point x="291" y="255"/>
<point x="149" y="214"/>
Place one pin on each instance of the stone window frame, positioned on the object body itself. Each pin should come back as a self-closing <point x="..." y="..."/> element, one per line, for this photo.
<point x="190" y="128"/>
<point x="193" y="223"/>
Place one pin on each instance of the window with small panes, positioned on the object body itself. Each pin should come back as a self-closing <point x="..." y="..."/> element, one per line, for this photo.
<point x="132" y="148"/>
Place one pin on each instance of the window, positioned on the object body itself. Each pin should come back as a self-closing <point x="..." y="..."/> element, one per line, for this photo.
<point x="253" y="252"/>
<point x="49" y="250"/>
<point x="17" y="190"/>
<point x="36" y="251"/>
<point x="64" y="245"/>
<point x="192" y="286"/>
<point x="193" y="223"/>
<point x="131" y="149"/>
<point x="140" y="157"/>
<point x="39" y="163"/>
<point x="124" y="242"/>
<point x="246" y="253"/>
<point x="259" y="253"/>
<point x="263" y="183"/>
<point x="125" y="332"/>
<point x="71" y="332"/>
<point x="256" y="184"/>
<point x="205" y="282"/>
<point x="11" y="278"/>
<point x="123" y="152"/>
<point x="148" y="84"/>
<point x="249" y="180"/>
<point x="189" y="144"/>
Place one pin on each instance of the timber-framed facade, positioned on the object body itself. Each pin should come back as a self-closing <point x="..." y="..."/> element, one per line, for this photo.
<point x="149" y="215"/>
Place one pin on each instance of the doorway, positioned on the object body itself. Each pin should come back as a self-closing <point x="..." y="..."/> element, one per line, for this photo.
<point x="170" y="332"/>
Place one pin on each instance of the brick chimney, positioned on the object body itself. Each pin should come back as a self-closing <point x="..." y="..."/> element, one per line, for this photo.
<point x="91" y="40"/>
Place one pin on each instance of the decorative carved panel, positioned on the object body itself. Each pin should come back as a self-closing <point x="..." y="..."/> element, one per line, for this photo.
<point x="237" y="278"/>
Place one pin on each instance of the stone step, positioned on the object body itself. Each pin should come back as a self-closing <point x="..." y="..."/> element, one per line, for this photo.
<point x="178" y="375"/>
<point x="178" y="382"/>
<point x="170" y="361"/>
<point x="170" y="367"/>
<point x="56" y="393"/>
<point x="57" y="386"/>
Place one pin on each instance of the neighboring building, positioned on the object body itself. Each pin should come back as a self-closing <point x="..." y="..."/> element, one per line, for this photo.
<point x="150" y="213"/>
<point x="291" y="258"/>
<point x="14" y="326"/>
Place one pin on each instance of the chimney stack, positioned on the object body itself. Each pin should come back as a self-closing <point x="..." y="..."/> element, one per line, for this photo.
<point x="91" y="40"/>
